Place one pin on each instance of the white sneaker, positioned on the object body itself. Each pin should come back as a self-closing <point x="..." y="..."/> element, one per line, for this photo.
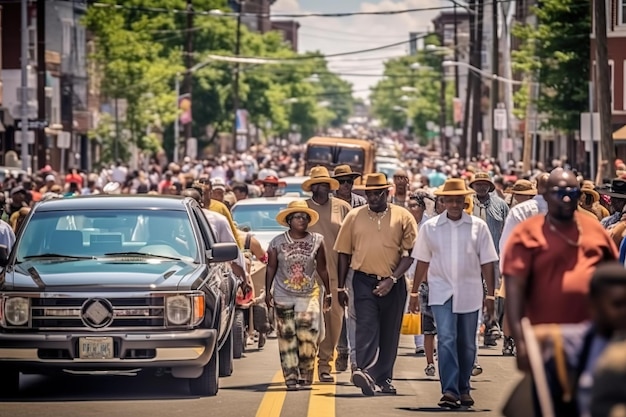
<point x="430" y="370"/>
<point x="477" y="370"/>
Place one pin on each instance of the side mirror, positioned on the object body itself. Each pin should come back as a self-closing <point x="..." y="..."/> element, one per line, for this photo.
<point x="4" y="256"/>
<point x="223" y="252"/>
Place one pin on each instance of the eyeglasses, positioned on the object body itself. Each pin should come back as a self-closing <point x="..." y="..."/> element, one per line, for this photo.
<point x="269" y="184"/>
<point x="572" y="192"/>
<point x="345" y="181"/>
<point x="304" y="217"/>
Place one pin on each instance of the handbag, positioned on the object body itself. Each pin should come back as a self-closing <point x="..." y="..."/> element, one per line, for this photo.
<point x="411" y="324"/>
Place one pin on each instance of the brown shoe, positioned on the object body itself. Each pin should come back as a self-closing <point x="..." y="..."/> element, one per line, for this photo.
<point x="326" y="377"/>
<point x="467" y="400"/>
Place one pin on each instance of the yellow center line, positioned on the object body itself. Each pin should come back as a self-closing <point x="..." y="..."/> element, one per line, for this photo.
<point x="272" y="403"/>
<point x="322" y="398"/>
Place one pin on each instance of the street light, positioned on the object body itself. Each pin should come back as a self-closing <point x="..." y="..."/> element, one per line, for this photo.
<point x="482" y="72"/>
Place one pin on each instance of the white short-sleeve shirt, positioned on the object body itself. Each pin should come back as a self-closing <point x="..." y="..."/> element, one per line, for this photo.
<point x="455" y="251"/>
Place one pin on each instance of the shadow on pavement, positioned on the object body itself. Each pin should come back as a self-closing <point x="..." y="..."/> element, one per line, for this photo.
<point x="444" y="410"/>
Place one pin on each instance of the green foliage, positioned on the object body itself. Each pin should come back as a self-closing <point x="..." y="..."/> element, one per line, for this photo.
<point x="558" y="51"/>
<point x="139" y="53"/>
<point x="393" y="106"/>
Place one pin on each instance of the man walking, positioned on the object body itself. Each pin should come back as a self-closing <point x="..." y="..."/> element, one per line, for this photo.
<point x="375" y="241"/>
<point x="331" y="212"/>
<point x="452" y="251"/>
<point x="344" y="175"/>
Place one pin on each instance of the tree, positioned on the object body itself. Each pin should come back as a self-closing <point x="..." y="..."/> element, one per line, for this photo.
<point x="557" y="51"/>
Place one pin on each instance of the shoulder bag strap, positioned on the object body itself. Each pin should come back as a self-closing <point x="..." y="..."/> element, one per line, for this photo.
<point x="561" y="366"/>
<point x="246" y="245"/>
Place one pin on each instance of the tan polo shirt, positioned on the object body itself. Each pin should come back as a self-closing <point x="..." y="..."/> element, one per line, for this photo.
<point x="376" y="251"/>
<point x="331" y="216"/>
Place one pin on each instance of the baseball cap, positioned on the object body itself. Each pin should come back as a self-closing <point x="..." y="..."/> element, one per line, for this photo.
<point x="218" y="184"/>
<point x="50" y="177"/>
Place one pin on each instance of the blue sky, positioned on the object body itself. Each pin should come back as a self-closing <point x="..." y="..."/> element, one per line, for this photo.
<point x="336" y="35"/>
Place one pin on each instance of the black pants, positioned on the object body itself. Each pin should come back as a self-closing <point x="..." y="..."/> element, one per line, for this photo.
<point x="378" y="322"/>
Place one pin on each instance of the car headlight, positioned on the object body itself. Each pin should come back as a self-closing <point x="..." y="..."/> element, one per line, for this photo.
<point x="17" y="311"/>
<point x="178" y="309"/>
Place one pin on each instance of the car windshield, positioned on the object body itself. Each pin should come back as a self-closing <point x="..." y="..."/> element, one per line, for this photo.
<point x="258" y="217"/>
<point x="108" y="233"/>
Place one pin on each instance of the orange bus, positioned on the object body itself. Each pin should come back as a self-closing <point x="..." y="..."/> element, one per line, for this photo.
<point x="330" y="152"/>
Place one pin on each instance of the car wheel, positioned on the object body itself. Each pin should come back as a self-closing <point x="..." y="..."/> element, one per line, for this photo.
<point x="208" y="383"/>
<point x="9" y="383"/>
<point x="239" y="336"/>
<point x="226" y="356"/>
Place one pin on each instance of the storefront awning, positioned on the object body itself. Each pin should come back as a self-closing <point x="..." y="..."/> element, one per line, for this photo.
<point x="620" y="134"/>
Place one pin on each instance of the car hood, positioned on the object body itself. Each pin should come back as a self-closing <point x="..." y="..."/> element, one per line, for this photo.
<point x="107" y="274"/>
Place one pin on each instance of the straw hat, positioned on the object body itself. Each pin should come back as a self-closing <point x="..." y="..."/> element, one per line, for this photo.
<point x="523" y="187"/>
<point x="591" y="192"/>
<point x="320" y="175"/>
<point x="452" y="187"/>
<point x="376" y="181"/>
<point x="298" y="206"/>
<point x="484" y="177"/>
<point x="345" y="171"/>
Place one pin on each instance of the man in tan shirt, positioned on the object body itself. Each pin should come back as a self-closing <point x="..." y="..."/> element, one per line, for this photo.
<point x="332" y="211"/>
<point x="375" y="241"/>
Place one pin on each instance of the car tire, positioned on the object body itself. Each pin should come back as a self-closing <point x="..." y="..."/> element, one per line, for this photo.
<point x="239" y="334"/>
<point x="9" y="383"/>
<point x="208" y="383"/>
<point x="226" y="356"/>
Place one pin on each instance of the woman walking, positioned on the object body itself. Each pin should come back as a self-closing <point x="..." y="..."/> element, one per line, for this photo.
<point x="294" y="258"/>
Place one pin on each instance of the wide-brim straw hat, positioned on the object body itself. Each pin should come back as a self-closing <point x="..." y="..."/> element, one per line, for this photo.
<point x="342" y="171"/>
<point x="484" y="177"/>
<point x="453" y="187"/>
<point x="320" y="175"/>
<point x="376" y="181"/>
<point x="592" y="192"/>
<point x="271" y="180"/>
<point x="523" y="187"/>
<point x="298" y="206"/>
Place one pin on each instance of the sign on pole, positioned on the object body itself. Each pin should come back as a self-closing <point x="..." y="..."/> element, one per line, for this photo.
<point x="499" y="119"/>
<point x="64" y="140"/>
<point x="30" y="137"/>
<point x="31" y="124"/>
<point x="586" y="122"/>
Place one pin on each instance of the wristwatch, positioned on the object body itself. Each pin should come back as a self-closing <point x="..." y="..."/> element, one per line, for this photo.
<point x="394" y="279"/>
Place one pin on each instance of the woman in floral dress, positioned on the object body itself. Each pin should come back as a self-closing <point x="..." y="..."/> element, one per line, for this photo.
<point x="296" y="264"/>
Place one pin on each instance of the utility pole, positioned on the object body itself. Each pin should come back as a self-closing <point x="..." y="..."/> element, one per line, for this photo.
<point x="470" y="80"/>
<point x="443" y="140"/>
<point x="495" y="64"/>
<point x="188" y="74"/>
<point x="24" y="72"/>
<point x="40" y="141"/>
<point x="477" y="88"/>
<point x="607" y="148"/>
<point x="236" y="74"/>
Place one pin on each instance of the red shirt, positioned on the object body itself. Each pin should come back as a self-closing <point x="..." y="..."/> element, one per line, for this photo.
<point x="74" y="178"/>
<point x="557" y="274"/>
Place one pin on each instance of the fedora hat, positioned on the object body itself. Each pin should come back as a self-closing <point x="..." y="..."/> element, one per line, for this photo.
<point x="342" y="171"/>
<point x="523" y="187"/>
<point x="271" y="180"/>
<point x="617" y="188"/>
<point x="320" y="175"/>
<point x="452" y="187"/>
<point x="376" y="181"/>
<point x="484" y="177"/>
<point x="297" y="206"/>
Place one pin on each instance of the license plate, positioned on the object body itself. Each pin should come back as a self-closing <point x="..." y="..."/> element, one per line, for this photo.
<point x="95" y="347"/>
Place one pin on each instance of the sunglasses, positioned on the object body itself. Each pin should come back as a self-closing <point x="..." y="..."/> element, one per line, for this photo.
<point x="268" y="184"/>
<point x="560" y="193"/>
<point x="375" y="194"/>
<point x="345" y="181"/>
<point x="305" y="217"/>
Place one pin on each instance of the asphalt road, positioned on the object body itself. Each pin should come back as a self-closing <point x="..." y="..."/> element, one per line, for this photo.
<point x="256" y="389"/>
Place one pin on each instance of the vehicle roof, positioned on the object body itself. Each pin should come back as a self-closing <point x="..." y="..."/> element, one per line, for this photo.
<point x="267" y="200"/>
<point x="105" y="201"/>
<point x="321" y="140"/>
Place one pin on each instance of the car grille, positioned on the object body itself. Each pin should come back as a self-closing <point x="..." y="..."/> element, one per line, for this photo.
<point x="68" y="313"/>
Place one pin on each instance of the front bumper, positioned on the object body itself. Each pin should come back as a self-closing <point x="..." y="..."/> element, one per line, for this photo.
<point x="40" y="352"/>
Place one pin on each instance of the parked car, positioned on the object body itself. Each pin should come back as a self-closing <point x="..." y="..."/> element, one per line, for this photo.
<point x="259" y="216"/>
<point x="112" y="284"/>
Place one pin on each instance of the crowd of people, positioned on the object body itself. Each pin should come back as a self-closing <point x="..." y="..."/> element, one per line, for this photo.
<point x="472" y="246"/>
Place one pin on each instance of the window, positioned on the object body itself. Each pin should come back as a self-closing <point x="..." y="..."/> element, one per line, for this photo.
<point x="621" y="12"/>
<point x="612" y="83"/>
<point x="67" y="38"/>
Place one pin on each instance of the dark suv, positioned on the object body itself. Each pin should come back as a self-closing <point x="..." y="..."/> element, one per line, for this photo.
<point x="112" y="284"/>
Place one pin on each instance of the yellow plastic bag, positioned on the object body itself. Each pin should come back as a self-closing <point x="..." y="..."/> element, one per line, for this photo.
<point x="411" y="324"/>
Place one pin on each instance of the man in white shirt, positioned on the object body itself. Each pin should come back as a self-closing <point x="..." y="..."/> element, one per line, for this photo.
<point x="452" y="251"/>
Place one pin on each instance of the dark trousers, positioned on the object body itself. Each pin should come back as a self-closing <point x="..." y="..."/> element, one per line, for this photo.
<point x="378" y="322"/>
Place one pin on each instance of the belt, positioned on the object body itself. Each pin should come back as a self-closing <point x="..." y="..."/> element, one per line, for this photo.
<point x="373" y="276"/>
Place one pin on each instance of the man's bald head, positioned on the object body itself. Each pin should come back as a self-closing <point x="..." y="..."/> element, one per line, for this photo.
<point x="562" y="178"/>
<point x="192" y="193"/>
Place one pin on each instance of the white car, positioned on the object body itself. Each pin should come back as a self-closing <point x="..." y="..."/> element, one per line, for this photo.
<point x="259" y="216"/>
<point x="294" y="185"/>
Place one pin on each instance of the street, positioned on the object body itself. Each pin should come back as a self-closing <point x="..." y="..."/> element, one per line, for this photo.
<point x="256" y="388"/>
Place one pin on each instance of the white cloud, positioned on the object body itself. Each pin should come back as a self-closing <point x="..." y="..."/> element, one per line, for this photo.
<point x="337" y="35"/>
